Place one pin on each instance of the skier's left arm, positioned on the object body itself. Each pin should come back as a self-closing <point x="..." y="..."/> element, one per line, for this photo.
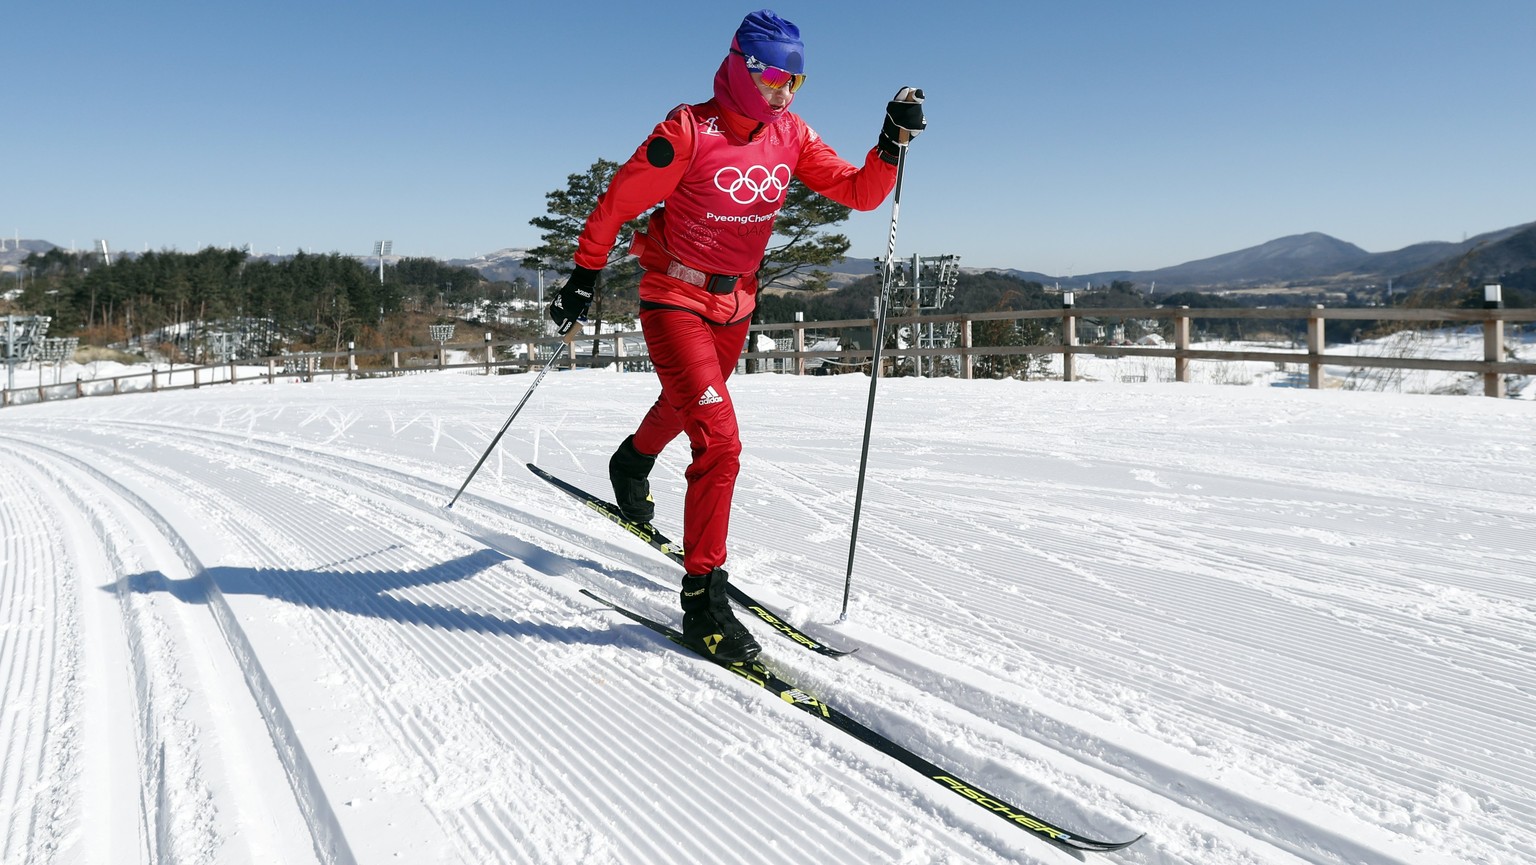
<point x="826" y="173"/>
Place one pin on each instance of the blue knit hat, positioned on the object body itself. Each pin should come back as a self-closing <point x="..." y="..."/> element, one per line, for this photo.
<point x="771" y="39"/>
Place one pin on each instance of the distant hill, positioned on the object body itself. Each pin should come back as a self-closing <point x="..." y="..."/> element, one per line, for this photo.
<point x="11" y="256"/>
<point x="1300" y="256"/>
<point x="503" y="265"/>
<point x="1488" y="255"/>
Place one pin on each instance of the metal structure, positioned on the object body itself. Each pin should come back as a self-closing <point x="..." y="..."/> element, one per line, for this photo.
<point x="56" y="350"/>
<point x="923" y="286"/>
<point x="20" y="340"/>
<point x="382" y="248"/>
<point x="221" y="345"/>
<point x="440" y="333"/>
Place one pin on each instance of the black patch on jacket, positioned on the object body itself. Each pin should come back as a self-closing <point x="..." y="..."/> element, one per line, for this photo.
<point x="659" y="152"/>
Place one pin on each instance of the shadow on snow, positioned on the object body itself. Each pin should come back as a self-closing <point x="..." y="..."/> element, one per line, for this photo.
<point x="368" y="593"/>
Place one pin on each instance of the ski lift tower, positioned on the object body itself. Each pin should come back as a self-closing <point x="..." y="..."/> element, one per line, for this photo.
<point x="924" y="285"/>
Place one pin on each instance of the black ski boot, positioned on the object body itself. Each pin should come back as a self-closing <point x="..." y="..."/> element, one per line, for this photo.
<point x="708" y="622"/>
<point x="629" y="470"/>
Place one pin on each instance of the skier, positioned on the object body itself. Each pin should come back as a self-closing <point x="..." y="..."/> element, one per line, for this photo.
<point x="720" y="169"/>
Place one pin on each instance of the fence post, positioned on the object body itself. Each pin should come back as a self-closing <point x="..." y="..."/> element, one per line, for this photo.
<point x="394" y="361"/>
<point x="489" y="350"/>
<point x="79" y="387"/>
<point x="351" y="360"/>
<point x="967" y="360"/>
<point x="797" y="342"/>
<point x="271" y="371"/>
<point x="1181" y="345"/>
<point x="234" y="377"/>
<point x="1315" y="347"/>
<point x="1068" y="336"/>
<point x="154" y="380"/>
<point x="874" y="340"/>
<point x="1493" y="339"/>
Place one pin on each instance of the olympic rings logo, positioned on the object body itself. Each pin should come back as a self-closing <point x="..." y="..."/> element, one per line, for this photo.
<point x="756" y="183"/>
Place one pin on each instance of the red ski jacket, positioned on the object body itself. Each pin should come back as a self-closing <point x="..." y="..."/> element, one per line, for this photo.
<point x="722" y="178"/>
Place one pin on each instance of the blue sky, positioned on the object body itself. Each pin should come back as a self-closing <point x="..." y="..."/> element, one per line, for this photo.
<point x="1064" y="137"/>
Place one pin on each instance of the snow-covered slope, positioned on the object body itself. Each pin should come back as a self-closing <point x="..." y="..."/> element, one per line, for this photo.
<point x="1262" y="625"/>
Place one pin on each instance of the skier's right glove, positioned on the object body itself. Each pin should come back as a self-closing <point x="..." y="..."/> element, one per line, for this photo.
<point x="903" y="121"/>
<point x="570" y="304"/>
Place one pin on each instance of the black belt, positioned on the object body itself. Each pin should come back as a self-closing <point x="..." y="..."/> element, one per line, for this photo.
<point x="714" y="283"/>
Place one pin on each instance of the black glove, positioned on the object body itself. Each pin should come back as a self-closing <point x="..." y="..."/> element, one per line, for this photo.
<point x="570" y="304"/>
<point x="903" y="121"/>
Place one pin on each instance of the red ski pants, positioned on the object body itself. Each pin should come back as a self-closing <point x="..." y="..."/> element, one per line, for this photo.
<point x="693" y="358"/>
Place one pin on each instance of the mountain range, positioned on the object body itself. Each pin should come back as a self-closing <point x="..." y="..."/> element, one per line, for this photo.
<point x="1299" y="262"/>
<point x="1316" y="260"/>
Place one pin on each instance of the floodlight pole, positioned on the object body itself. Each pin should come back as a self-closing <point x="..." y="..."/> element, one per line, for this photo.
<point x="382" y="248"/>
<point x="10" y="352"/>
<point x="543" y="320"/>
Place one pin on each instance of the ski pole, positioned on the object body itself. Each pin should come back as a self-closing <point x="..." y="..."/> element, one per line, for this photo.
<point x="874" y="372"/>
<point x="558" y="352"/>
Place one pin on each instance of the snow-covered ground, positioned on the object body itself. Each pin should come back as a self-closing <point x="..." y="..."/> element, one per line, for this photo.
<point x="1458" y="344"/>
<point x="1261" y="625"/>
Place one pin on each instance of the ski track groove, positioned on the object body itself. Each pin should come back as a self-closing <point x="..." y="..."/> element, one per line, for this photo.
<point x="183" y="811"/>
<point x="37" y="673"/>
<point x="704" y="677"/>
<point x="366" y="653"/>
<point x="345" y="634"/>
<point x="172" y="814"/>
<point x="161" y="807"/>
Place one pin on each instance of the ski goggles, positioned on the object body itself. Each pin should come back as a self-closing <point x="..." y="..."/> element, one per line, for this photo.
<point x="773" y="76"/>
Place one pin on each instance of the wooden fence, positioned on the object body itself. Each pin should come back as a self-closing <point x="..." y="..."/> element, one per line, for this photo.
<point x="615" y="348"/>
<point x="1492" y="368"/>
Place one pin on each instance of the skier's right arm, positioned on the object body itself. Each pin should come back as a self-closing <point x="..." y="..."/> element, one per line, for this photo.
<point x="648" y="177"/>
